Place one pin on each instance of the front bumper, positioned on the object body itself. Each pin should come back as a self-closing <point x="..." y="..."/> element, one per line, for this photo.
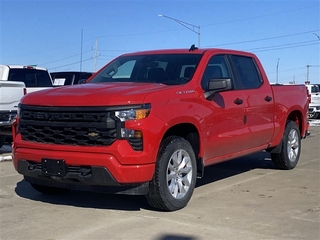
<point x="96" y="179"/>
<point x="83" y="171"/>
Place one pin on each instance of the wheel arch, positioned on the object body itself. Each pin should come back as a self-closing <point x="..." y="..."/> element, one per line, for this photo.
<point x="297" y="117"/>
<point x="189" y="132"/>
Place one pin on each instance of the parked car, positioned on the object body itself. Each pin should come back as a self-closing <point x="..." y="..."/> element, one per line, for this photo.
<point x="150" y="122"/>
<point x="15" y="82"/>
<point x="69" y="78"/>
<point x="10" y="94"/>
<point x="314" y="106"/>
<point x="35" y="78"/>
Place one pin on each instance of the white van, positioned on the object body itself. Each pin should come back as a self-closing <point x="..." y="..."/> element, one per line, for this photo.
<point x="314" y="106"/>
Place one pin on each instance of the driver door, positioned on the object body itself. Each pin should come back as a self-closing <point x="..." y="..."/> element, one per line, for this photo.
<point x="225" y="128"/>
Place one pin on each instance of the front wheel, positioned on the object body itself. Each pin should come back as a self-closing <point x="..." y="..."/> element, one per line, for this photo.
<point x="175" y="175"/>
<point x="290" y="148"/>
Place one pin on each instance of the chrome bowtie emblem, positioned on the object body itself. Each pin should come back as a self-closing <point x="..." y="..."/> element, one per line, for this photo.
<point x="93" y="134"/>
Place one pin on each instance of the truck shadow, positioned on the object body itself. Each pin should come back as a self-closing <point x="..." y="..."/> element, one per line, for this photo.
<point x="136" y="203"/>
<point x="234" y="167"/>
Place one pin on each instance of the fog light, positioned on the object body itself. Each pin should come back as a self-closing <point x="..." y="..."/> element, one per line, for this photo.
<point x="127" y="133"/>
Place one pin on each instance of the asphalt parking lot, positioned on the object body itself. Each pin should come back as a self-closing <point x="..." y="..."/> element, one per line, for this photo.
<point x="246" y="198"/>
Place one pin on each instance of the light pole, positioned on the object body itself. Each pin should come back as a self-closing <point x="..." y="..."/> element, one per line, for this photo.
<point x="186" y="25"/>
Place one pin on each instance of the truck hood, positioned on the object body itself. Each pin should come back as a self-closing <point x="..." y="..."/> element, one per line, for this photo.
<point x="94" y="94"/>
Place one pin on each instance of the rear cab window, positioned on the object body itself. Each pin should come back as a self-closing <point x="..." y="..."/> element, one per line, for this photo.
<point x="31" y="77"/>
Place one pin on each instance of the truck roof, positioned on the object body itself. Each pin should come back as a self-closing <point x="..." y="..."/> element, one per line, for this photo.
<point x="190" y="51"/>
<point x="11" y="66"/>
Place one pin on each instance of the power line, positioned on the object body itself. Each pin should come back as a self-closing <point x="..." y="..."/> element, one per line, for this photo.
<point x="76" y="55"/>
<point x="206" y="25"/>
<point x="69" y="64"/>
<point x="261" y="49"/>
<point x="266" y="15"/>
<point x="287" y="45"/>
<point x="279" y="48"/>
<point x="264" y="39"/>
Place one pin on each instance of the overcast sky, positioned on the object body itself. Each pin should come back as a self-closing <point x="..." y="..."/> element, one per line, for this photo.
<point x="67" y="34"/>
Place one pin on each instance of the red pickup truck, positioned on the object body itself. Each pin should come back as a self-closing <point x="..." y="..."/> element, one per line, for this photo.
<point x="149" y="122"/>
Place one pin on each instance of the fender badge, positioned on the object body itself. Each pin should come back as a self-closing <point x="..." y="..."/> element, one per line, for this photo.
<point x="186" y="92"/>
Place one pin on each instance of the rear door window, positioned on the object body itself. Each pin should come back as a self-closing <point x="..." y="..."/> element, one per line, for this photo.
<point x="247" y="72"/>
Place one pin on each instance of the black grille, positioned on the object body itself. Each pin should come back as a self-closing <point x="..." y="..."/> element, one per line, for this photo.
<point x="81" y="126"/>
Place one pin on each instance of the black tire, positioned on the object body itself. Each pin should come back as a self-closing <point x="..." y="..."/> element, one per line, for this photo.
<point x="175" y="175"/>
<point x="2" y="140"/>
<point x="290" y="148"/>
<point x="49" y="190"/>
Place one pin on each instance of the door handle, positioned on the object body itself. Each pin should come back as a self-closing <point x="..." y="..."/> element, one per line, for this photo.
<point x="238" y="101"/>
<point x="268" y="98"/>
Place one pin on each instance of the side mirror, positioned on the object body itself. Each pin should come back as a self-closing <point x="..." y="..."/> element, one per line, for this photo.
<point x="217" y="85"/>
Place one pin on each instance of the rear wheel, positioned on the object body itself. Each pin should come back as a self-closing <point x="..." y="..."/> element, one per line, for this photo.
<point x="175" y="175"/>
<point x="49" y="190"/>
<point x="290" y="148"/>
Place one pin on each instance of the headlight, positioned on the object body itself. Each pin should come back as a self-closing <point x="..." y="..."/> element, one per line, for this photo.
<point x="133" y="113"/>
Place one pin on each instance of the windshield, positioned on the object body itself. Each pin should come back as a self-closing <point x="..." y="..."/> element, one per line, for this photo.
<point x="159" y="68"/>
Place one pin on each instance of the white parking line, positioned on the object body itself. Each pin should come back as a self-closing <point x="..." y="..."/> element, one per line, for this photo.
<point x="5" y="158"/>
<point x="10" y="175"/>
<point x="314" y="122"/>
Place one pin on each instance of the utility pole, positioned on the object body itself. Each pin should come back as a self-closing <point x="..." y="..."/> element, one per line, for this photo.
<point x="277" y="70"/>
<point x="96" y="54"/>
<point x="81" y="50"/>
